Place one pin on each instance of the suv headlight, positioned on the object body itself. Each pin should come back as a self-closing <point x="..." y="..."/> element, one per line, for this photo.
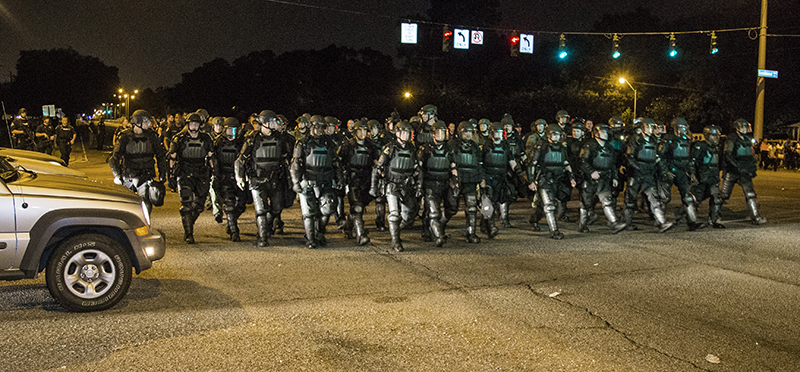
<point x="146" y="214"/>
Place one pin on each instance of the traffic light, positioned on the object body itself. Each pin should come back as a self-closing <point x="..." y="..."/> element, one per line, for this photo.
<point x="714" y="48"/>
<point x="615" y="50"/>
<point x="562" y="47"/>
<point x="447" y="39"/>
<point x="673" y="50"/>
<point x="514" y="44"/>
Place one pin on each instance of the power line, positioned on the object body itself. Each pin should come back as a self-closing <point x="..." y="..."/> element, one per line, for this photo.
<point x="608" y="34"/>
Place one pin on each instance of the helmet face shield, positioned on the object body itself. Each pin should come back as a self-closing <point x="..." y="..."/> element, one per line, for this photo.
<point x="602" y="133"/>
<point x="577" y="133"/>
<point x="230" y="132"/>
<point x="498" y="134"/>
<point x="648" y="129"/>
<point x="404" y="135"/>
<point x="440" y="135"/>
<point x="466" y="134"/>
<point x="361" y="133"/>
<point x="712" y="139"/>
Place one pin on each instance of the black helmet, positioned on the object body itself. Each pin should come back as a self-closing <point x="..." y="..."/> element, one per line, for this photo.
<point x="233" y="123"/>
<point x="561" y="114"/>
<point x="539" y="122"/>
<point x="555" y="129"/>
<point x="21" y="111"/>
<point x="139" y="117"/>
<point x="428" y="109"/>
<point x="616" y="122"/>
<point x="742" y="126"/>
<point x="465" y="126"/>
<point x="597" y="128"/>
<point x="497" y="126"/>
<point x="680" y="126"/>
<point x="403" y="126"/>
<point x="360" y="124"/>
<point x="193" y="118"/>
<point x="218" y="120"/>
<point x="579" y="123"/>
<point x="712" y="134"/>
<point x="264" y="117"/>
<point x="332" y="121"/>
<point x="507" y="120"/>
<point x="203" y="115"/>
<point x="317" y="120"/>
<point x="373" y="124"/>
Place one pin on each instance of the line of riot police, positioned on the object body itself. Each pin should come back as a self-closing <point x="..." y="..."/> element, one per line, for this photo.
<point x="405" y="164"/>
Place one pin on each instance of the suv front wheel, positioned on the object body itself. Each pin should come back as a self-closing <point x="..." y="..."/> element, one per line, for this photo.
<point x="88" y="272"/>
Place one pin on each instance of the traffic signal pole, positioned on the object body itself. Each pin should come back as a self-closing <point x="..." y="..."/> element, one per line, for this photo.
<point x="758" y="123"/>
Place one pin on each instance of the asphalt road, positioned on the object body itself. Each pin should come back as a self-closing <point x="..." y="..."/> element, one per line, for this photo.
<point x="638" y="301"/>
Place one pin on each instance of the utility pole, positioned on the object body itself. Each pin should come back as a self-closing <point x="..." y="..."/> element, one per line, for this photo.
<point x="758" y="130"/>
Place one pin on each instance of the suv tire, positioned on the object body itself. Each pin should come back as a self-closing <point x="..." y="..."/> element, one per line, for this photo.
<point x="88" y="272"/>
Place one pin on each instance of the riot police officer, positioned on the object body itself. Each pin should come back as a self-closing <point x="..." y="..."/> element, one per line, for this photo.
<point x="483" y="135"/>
<point x="380" y="138"/>
<point x="226" y="150"/>
<point x="517" y="187"/>
<point x="642" y="172"/>
<point x="680" y="168"/>
<point x="469" y="164"/>
<point x="358" y="156"/>
<point x="316" y="173"/>
<point x="706" y="159"/>
<point x="217" y="125"/>
<point x="428" y="115"/>
<point x="137" y="155"/>
<point x="740" y="168"/>
<point x="263" y="161"/>
<point x="398" y="170"/>
<point x="598" y="160"/>
<point x="191" y="162"/>
<point x="562" y="119"/>
<point x="438" y="176"/>
<point x="550" y="174"/>
<point x="498" y="159"/>
<point x="333" y="132"/>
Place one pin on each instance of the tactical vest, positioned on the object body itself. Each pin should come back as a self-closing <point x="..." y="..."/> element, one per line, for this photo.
<point x="319" y="162"/>
<point x="680" y="151"/>
<point x="227" y="153"/>
<point x="139" y="153"/>
<point x="495" y="161"/>
<point x="647" y="153"/>
<point x="361" y="159"/>
<point x="554" y="159"/>
<point x="604" y="159"/>
<point x="437" y="167"/>
<point x="267" y="156"/>
<point x="401" y="167"/>
<point x="711" y="158"/>
<point x="468" y="164"/>
<point x="424" y="137"/>
<point x="743" y="149"/>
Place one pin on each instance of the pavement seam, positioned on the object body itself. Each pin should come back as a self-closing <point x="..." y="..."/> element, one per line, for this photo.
<point x="608" y="325"/>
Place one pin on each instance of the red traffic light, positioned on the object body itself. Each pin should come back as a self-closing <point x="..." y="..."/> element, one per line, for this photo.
<point x="515" y="40"/>
<point x="448" y="33"/>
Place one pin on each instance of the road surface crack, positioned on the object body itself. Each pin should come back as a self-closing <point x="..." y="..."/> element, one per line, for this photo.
<point x="610" y="326"/>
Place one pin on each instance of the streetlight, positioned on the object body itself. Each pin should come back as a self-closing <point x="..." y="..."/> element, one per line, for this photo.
<point x="623" y="80"/>
<point x="407" y="94"/>
<point x="128" y="98"/>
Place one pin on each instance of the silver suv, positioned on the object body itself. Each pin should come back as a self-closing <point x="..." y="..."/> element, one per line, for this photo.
<point x="89" y="236"/>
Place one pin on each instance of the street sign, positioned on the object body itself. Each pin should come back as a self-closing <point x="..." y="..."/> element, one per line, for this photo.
<point x="461" y="40"/>
<point x="49" y="110"/>
<point x="477" y="37"/>
<point x="526" y="43"/>
<point x="408" y="33"/>
<point x="768" y="73"/>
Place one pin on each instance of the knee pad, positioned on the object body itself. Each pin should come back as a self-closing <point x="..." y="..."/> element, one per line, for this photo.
<point x="689" y="200"/>
<point x="185" y="194"/>
<point x="357" y="209"/>
<point x="606" y="200"/>
<point x="750" y="195"/>
<point x="550" y="207"/>
<point x="327" y="204"/>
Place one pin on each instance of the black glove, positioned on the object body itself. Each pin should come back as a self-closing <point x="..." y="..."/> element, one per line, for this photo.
<point x="172" y="183"/>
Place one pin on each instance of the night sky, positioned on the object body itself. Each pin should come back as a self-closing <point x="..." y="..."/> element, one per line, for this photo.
<point x="153" y="42"/>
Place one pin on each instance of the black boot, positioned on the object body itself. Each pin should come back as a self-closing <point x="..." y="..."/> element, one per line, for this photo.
<point x="188" y="228"/>
<point x="663" y="225"/>
<point x="278" y="225"/>
<point x="263" y="231"/>
<point x="505" y="222"/>
<point x="613" y="224"/>
<point x="583" y="220"/>
<point x="319" y="237"/>
<point x="551" y="224"/>
<point x="361" y="232"/>
<point x="627" y="219"/>
<point x="380" y="217"/>
<point x="311" y="232"/>
<point x="491" y="228"/>
<point x="754" y="217"/>
<point x="691" y="218"/>
<point x="437" y="230"/>
<point x="233" y="227"/>
<point x="472" y="228"/>
<point x="394" y="232"/>
<point x="713" y="217"/>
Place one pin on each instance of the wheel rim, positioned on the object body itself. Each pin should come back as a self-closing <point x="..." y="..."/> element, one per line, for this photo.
<point x="89" y="274"/>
